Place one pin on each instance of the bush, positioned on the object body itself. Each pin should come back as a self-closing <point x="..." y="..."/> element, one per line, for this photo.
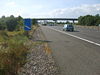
<point x="13" y="56"/>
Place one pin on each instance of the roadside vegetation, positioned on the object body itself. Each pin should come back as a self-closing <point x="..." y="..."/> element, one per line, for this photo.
<point x="11" y="23"/>
<point x="89" y="20"/>
<point x="14" y="44"/>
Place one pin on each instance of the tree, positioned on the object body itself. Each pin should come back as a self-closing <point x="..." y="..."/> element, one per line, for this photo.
<point x="97" y="17"/>
<point x="20" y="22"/>
<point x="12" y="16"/>
<point x="3" y="17"/>
<point x="81" y="20"/>
<point x="67" y="22"/>
<point x="2" y="27"/>
<point x="89" y="20"/>
<point x="34" y="21"/>
<point x="11" y="24"/>
<point x="2" y="23"/>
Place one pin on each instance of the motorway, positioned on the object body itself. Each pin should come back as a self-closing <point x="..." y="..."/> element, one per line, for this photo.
<point x="73" y="55"/>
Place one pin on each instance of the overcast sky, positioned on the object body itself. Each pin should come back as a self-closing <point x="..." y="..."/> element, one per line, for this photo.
<point x="49" y="8"/>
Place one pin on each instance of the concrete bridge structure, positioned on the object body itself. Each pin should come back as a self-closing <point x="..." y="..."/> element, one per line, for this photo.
<point x="58" y="19"/>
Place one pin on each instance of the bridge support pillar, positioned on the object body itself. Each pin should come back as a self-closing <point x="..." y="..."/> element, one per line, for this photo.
<point x="73" y="21"/>
<point x="55" y="22"/>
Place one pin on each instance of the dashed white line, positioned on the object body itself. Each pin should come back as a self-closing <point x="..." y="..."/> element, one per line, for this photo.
<point x="76" y="36"/>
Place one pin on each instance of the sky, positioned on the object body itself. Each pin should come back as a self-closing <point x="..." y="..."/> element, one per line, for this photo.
<point x="49" y="8"/>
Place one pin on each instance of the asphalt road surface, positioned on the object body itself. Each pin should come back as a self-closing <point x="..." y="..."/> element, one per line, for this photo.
<point x="74" y="56"/>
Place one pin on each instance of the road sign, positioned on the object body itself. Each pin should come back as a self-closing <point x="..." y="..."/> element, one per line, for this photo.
<point x="27" y="24"/>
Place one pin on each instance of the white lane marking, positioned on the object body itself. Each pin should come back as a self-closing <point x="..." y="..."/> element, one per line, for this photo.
<point x="76" y="37"/>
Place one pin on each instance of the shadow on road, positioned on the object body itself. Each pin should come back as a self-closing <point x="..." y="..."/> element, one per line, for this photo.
<point x="45" y="41"/>
<point x="76" y="31"/>
<point x="73" y="31"/>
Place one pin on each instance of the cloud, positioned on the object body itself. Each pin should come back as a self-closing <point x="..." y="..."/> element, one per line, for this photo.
<point x="38" y="10"/>
<point x="75" y="12"/>
<point x="11" y="4"/>
<point x="11" y="8"/>
<point x="37" y="6"/>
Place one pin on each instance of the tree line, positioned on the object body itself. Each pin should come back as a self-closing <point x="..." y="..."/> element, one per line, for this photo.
<point x="89" y="20"/>
<point x="11" y="23"/>
<point x="16" y="23"/>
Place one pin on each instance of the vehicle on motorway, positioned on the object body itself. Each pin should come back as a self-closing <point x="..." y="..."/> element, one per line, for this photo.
<point x="68" y="27"/>
<point x="44" y="24"/>
<point x="50" y="24"/>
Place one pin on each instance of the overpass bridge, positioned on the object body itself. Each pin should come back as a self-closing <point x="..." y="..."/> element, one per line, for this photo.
<point x="56" y="19"/>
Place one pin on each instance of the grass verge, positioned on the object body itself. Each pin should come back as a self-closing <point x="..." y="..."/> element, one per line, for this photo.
<point x="14" y="47"/>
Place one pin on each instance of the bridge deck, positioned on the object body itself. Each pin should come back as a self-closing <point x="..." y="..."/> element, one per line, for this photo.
<point x="56" y="19"/>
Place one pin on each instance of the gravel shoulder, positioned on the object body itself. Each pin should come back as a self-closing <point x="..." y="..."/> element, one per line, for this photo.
<point x="39" y="58"/>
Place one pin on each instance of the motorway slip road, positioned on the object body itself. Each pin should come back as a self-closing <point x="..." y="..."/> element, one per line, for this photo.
<point x="74" y="56"/>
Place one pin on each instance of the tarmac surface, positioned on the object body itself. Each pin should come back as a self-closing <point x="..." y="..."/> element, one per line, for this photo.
<point x="74" y="56"/>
